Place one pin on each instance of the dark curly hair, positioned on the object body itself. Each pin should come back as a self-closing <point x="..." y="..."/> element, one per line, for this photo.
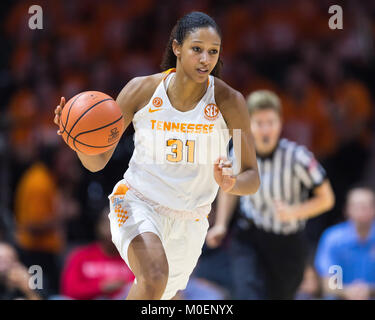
<point x="188" y="23"/>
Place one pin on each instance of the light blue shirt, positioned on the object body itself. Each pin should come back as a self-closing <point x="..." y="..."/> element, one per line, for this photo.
<point x="340" y="245"/>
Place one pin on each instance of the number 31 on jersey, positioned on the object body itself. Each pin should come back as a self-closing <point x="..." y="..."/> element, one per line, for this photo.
<point x="177" y="149"/>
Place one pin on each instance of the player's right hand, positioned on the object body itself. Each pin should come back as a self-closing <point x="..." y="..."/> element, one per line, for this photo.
<point x="215" y="236"/>
<point x="58" y="111"/>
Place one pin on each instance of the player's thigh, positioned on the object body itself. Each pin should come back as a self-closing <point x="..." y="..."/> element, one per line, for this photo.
<point x="184" y="245"/>
<point x="183" y="249"/>
<point x="147" y="258"/>
<point x="137" y="231"/>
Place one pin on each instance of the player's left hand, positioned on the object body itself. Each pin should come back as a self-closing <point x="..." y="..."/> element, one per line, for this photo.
<point x="223" y="174"/>
<point x="285" y="212"/>
<point x="58" y="111"/>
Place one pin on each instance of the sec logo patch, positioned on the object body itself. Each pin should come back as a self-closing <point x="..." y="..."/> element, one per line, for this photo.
<point x="211" y="112"/>
<point x="157" y="102"/>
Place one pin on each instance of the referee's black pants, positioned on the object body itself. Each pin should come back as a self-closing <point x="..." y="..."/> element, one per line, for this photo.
<point x="266" y="265"/>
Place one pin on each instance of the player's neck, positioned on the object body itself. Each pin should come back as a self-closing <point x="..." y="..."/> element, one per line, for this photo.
<point x="185" y="93"/>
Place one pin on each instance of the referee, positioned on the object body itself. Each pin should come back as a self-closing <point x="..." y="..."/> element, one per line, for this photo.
<point x="268" y="247"/>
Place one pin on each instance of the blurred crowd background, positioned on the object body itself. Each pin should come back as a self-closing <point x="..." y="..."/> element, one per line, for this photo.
<point x="324" y="78"/>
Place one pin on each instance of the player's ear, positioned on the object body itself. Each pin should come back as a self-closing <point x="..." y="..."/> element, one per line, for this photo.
<point x="176" y="47"/>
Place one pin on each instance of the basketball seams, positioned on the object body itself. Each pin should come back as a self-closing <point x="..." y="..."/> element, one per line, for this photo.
<point x="88" y="131"/>
<point x="107" y="125"/>
<point x="70" y="108"/>
<point x="88" y="145"/>
<point x="81" y="116"/>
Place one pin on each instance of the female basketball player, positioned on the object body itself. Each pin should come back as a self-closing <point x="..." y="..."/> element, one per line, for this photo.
<point x="159" y="210"/>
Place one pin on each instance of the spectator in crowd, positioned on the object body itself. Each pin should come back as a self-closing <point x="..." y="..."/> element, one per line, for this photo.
<point x="39" y="233"/>
<point x="96" y="271"/>
<point x="350" y="247"/>
<point x="14" y="278"/>
<point x="69" y="176"/>
<point x="348" y="104"/>
<point x="305" y="119"/>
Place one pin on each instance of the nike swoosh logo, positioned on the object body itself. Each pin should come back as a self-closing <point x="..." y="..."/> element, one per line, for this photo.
<point x="153" y="110"/>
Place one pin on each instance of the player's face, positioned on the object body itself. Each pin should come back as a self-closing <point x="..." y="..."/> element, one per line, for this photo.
<point x="361" y="206"/>
<point x="266" y="129"/>
<point x="199" y="53"/>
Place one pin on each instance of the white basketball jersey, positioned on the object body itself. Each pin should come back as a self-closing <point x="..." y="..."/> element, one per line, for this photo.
<point x="172" y="163"/>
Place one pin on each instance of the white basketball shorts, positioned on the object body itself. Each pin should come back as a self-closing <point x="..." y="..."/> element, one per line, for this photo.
<point x="182" y="233"/>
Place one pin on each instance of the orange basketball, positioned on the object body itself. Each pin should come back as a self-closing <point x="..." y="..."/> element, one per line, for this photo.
<point x="91" y="122"/>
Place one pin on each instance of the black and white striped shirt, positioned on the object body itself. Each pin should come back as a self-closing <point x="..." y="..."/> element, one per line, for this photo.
<point x="288" y="174"/>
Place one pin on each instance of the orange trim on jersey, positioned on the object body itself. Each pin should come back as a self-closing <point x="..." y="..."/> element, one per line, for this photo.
<point x="167" y="72"/>
<point x="121" y="190"/>
<point x="121" y="213"/>
<point x="121" y="217"/>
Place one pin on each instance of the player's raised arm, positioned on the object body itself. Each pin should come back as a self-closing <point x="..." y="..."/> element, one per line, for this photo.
<point x="233" y="107"/>
<point x="129" y="99"/>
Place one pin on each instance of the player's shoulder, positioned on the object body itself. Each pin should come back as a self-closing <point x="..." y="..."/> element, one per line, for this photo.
<point x="146" y="84"/>
<point x="138" y="91"/>
<point x="225" y="95"/>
